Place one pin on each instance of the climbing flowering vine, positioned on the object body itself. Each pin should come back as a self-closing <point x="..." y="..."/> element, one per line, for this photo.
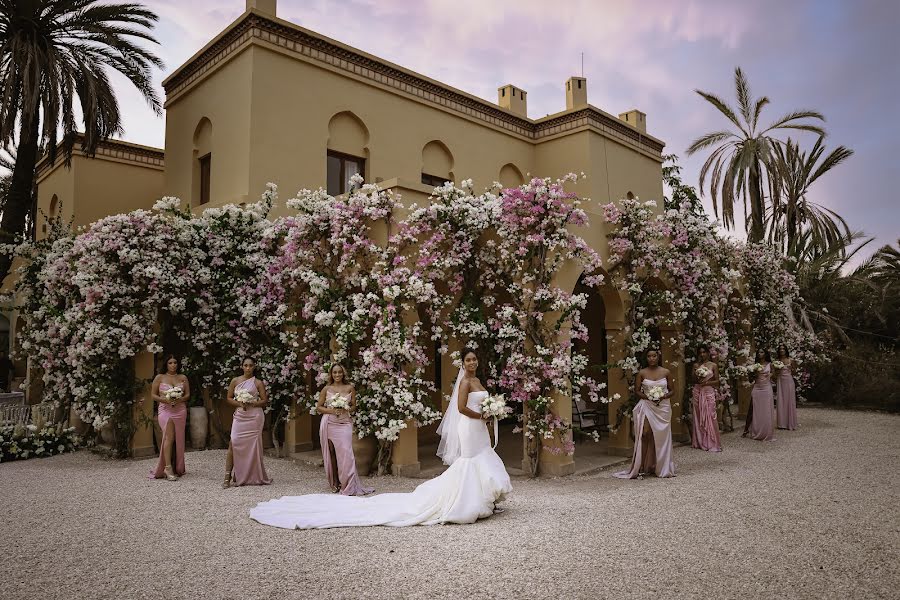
<point x="386" y="289"/>
<point x="681" y="277"/>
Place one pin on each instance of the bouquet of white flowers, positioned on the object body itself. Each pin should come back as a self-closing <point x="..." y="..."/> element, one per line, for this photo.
<point x="339" y="402"/>
<point x="655" y="393"/>
<point x="495" y="406"/>
<point x="753" y="368"/>
<point x="778" y="364"/>
<point x="173" y="393"/>
<point x="703" y="372"/>
<point x="244" y="397"/>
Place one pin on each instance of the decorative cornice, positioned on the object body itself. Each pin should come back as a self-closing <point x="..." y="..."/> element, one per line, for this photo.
<point x="119" y="150"/>
<point x="295" y="39"/>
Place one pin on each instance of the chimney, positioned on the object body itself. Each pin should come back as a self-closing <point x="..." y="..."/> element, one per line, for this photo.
<point x="263" y="6"/>
<point x="636" y="119"/>
<point x="576" y="93"/>
<point x="513" y="99"/>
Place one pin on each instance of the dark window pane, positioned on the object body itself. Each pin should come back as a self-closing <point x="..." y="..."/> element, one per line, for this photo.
<point x="205" y="171"/>
<point x="335" y="185"/>
<point x="433" y="180"/>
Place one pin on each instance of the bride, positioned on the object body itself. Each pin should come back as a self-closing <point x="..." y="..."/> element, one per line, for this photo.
<point x="467" y="491"/>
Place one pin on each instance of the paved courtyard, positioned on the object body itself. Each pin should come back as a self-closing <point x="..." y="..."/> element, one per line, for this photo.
<point x="814" y="514"/>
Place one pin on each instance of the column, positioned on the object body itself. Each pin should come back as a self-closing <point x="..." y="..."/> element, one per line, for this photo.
<point x="674" y="361"/>
<point x="405" y="455"/>
<point x="620" y="442"/>
<point x="142" y="440"/>
<point x="743" y="391"/>
<point x="556" y="464"/>
<point x="298" y="433"/>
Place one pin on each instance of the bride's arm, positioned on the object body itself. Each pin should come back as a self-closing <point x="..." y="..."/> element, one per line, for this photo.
<point x="461" y="399"/>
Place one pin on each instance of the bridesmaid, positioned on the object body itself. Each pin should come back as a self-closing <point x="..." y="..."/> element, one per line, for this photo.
<point x="244" y="460"/>
<point x="172" y="415"/>
<point x="703" y="404"/>
<point x="336" y="435"/>
<point x="785" y="391"/>
<point x="652" y="423"/>
<point x="761" y="423"/>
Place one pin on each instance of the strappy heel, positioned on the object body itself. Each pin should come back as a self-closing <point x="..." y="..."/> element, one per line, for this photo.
<point x="170" y="476"/>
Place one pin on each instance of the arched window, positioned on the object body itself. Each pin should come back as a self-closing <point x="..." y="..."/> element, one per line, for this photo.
<point x="348" y="139"/>
<point x="437" y="164"/>
<point x="202" y="170"/>
<point x="510" y="176"/>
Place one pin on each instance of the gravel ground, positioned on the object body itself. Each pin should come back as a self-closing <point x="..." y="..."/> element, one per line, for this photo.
<point x="811" y="515"/>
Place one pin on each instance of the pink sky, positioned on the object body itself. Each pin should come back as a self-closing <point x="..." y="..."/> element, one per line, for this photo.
<point x="837" y="57"/>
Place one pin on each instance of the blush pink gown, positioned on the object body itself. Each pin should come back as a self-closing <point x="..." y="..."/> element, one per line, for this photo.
<point x="178" y="415"/>
<point x="786" y="399"/>
<point x="246" y="441"/>
<point x="336" y="432"/>
<point x="658" y="458"/>
<point x="762" y="427"/>
<point x="705" y="420"/>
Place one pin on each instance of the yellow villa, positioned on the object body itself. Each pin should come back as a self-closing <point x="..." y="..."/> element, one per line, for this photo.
<point x="267" y="100"/>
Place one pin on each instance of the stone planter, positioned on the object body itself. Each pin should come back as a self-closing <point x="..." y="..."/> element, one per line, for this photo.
<point x="108" y="434"/>
<point x="199" y="423"/>
<point x="364" y="452"/>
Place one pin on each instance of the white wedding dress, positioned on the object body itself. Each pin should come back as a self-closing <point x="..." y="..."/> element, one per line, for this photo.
<point x="464" y="493"/>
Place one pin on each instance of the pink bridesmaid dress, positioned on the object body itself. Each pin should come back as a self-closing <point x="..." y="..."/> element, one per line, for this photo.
<point x="705" y="420"/>
<point x="658" y="457"/>
<point x="762" y="427"/>
<point x="246" y="441"/>
<point x="786" y="399"/>
<point x="178" y="415"/>
<point x="336" y="433"/>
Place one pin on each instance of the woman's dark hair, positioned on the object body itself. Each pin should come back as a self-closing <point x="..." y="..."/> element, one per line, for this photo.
<point x="787" y="353"/>
<point x="467" y="351"/>
<point x="165" y="364"/>
<point x="246" y="358"/>
<point x="701" y="348"/>
<point x="766" y="354"/>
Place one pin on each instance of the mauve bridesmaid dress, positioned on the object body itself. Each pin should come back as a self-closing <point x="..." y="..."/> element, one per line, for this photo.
<point x="178" y="415"/>
<point x="786" y="399"/>
<point x="337" y="432"/>
<point x="762" y="427"/>
<point x="705" y="420"/>
<point x="246" y="441"/>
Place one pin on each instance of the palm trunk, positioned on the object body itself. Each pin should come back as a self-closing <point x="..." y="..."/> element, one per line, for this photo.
<point x="20" y="198"/>
<point x="756" y="204"/>
<point x="791" y="225"/>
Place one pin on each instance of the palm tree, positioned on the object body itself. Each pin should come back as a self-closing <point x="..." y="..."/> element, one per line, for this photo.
<point x="7" y="166"/>
<point x="737" y="165"/>
<point x="790" y="211"/>
<point x="52" y="53"/>
<point x="826" y="285"/>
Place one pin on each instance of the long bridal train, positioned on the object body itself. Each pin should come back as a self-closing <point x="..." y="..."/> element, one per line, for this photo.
<point x="465" y="492"/>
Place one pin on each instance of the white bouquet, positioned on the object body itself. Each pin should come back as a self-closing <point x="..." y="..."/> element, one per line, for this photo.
<point x="655" y="393"/>
<point x="753" y="368"/>
<point x="703" y="372"/>
<point x="495" y="406"/>
<point x="339" y="402"/>
<point x="173" y="393"/>
<point x="778" y="364"/>
<point x="244" y="397"/>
